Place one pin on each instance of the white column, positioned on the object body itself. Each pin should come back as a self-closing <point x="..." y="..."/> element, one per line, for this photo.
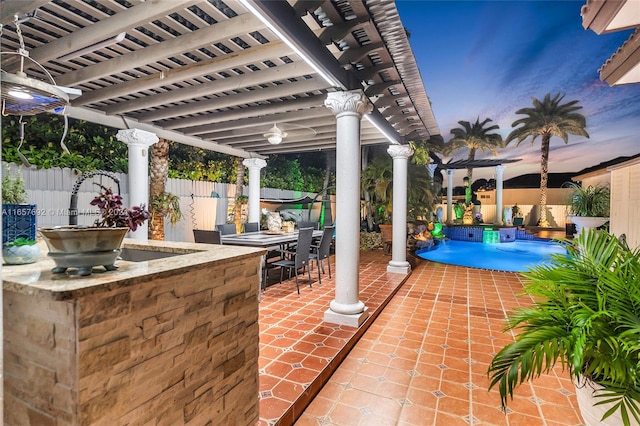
<point x="450" y="218"/>
<point x="346" y="308"/>
<point x="398" y="263"/>
<point x="254" y="165"/>
<point x="138" y="142"/>
<point x="431" y="167"/>
<point x="499" y="171"/>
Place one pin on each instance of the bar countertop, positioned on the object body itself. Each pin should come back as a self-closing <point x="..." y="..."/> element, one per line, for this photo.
<point x="37" y="279"/>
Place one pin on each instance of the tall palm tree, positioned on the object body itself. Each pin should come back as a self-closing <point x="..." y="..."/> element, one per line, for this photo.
<point x="548" y="118"/>
<point x="475" y="137"/>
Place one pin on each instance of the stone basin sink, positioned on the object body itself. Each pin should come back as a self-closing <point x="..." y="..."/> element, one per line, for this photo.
<point x="143" y="255"/>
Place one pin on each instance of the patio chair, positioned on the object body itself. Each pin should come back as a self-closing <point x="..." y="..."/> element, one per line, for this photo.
<point x="204" y="236"/>
<point x="304" y="224"/>
<point x="294" y="260"/>
<point x="322" y="251"/>
<point x="226" y="229"/>
<point x="252" y="227"/>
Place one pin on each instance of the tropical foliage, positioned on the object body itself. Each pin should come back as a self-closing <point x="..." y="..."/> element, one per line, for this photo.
<point x="91" y="146"/>
<point x="13" y="191"/>
<point x="475" y="137"/>
<point x="590" y="201"/>
<point x="377" y="185"/>
<point x="549" y="117"/>
<point x="95" y="147"/>
<point x="377" y="181"/>
<point x="586" y="317"/>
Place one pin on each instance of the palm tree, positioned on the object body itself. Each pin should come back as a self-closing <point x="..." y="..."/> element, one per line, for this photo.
<point x="475" y="137"/>
<point x="547" y="118"/>
<point x="161" y="203"/>
<point x="159" y="170"/>
<point x="237" y="211"/>
<point x="377" y="182"/>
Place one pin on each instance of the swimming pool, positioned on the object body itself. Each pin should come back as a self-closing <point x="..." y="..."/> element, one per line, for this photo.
<point x="516" y="256"/>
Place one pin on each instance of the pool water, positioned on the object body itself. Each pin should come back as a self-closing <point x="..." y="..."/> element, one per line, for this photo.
<point x="515" y="256"/>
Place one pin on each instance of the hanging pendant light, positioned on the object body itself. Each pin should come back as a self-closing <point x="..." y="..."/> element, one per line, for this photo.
<point x="22" y="95"/>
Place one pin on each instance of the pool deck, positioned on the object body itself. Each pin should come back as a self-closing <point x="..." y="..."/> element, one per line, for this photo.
<point x="420" y="359"/>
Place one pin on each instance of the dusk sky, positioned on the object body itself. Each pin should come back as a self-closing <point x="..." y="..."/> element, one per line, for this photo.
<point x="488" y="59"/>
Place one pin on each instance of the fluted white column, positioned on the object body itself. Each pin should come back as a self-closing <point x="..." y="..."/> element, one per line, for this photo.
<point x="400" y="155"/>
<point x="138" y="142"/>
<point x="499" y="185"/>
<point x="450" y="196"/>
<point x="346" y="308"/>
<point x="254" y="165"/>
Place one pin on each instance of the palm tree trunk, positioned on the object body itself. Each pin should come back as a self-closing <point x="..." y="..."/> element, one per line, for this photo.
<point x="159" y="172"/>
<point x="237" y="211"/>
<point x="330" y="160"/>
<point x="472" y="156"/>
<point x="544" y="177"/>
<point x="367" y="198"/>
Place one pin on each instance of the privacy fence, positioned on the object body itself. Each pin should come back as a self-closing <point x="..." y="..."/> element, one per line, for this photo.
<point x="203" y="204"/>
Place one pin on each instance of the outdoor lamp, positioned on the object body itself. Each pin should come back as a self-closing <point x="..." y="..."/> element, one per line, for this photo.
<point x="274" y="139"/>
<point x="465" y="181"/>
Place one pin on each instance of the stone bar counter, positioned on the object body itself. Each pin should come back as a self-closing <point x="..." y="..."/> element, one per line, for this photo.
<point x="166" y="341"/>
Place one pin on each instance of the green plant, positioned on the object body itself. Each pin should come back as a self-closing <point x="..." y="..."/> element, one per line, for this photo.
<point x="167" y="204"/>
<point x="13" y="191"/>
<point x="242" y="199"/>
<point x="113" y="215"/>
<point x="516" y="211"/>
<point x="592" y="201"/>
<point x="21" y="241"/>
<point x="586" y="317"/>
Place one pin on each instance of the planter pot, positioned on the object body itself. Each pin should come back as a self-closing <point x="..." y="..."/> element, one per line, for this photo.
<point x="18" y="220"/>
<point x="82" y="247"/>
<point x="587" y="222"/>
<point x="591" y="413"/>
<point x="20" y="255"/>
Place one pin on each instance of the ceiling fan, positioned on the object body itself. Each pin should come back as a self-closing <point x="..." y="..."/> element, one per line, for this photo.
<point x="276" y="135"/>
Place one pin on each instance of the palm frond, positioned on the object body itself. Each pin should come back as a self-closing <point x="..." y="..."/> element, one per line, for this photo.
<point x="586" y="317"/>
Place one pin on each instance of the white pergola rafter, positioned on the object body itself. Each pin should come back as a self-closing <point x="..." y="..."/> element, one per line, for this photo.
<point x="192" y="70"/>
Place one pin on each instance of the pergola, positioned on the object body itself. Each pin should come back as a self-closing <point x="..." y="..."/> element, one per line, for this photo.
<point x="476" y="164"/>
<point x="220" y="74"/>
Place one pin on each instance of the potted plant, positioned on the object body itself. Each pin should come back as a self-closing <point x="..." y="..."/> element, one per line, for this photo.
<point x="18" y="218"/>
<point x="20" y="251"/>
<point x="588" y="207"/>
<point x="288" y="226"/>
<point x="586" y="317"/>
<point x="83" y="247"/>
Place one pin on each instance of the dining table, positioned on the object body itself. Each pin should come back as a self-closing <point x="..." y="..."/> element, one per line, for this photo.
<point x="264" y="239"/>
<point x="274" y="241"/>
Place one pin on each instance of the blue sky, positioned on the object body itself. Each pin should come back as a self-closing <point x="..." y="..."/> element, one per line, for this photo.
<point x="488" y="59"/>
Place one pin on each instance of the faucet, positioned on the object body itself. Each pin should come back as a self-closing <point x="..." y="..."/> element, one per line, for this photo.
<point x="73" y="206"/>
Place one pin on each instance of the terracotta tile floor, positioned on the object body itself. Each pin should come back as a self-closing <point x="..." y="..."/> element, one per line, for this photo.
<point x="422" y="360"/>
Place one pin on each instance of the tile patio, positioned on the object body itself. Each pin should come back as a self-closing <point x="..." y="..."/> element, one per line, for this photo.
<point x="421" y="358"/>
